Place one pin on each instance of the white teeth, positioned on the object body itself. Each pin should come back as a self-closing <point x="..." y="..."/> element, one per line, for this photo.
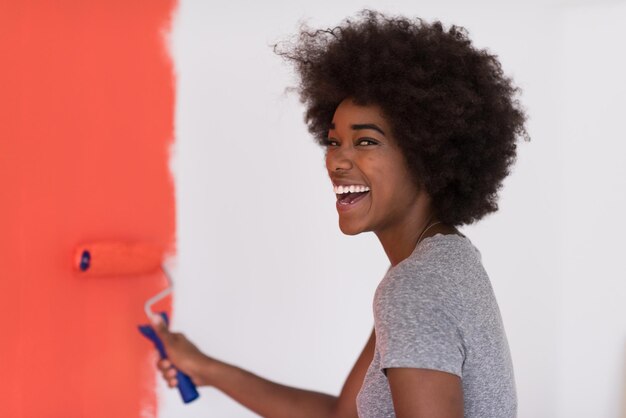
<point x="355" y="188"/>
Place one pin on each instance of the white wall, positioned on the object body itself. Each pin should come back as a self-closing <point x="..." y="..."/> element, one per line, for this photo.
<point x="592" y="286"/>
<point x="265" y="279"/>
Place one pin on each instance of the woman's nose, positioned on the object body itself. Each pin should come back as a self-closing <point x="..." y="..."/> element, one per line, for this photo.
<point x="339" y="159"/>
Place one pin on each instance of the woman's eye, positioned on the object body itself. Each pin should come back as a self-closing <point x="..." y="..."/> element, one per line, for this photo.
<point x="329" y="142"/>
<point x="366" y="142"/>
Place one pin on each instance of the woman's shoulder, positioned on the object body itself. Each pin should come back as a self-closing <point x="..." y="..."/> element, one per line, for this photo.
<point x="443" y="276"/>
<point x="441" y="267"/>
<point x="439" y="256"/>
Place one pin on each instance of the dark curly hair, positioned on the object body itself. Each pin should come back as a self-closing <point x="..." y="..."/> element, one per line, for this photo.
<point x="451" y="109"/>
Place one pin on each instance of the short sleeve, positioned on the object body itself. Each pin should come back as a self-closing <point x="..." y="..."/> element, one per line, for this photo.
<point x="416" y="323"/>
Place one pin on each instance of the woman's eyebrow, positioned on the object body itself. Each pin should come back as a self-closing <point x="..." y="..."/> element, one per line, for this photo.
<point x="360" y="126"/>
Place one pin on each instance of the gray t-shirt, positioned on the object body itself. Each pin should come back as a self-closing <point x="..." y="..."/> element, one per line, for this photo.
<point x="436" y="310"/>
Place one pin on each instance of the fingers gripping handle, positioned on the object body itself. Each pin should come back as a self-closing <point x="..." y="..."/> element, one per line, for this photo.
<point x="186" y="387"/>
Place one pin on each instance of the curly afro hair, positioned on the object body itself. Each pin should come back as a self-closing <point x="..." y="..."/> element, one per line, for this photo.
<point x="451" y="109"/>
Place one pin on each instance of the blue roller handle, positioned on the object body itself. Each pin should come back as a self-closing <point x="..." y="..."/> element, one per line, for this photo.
<point x="186" y="387"/>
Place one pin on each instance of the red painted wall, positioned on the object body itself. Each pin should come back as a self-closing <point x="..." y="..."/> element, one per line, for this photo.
<point x="86" y="120"/>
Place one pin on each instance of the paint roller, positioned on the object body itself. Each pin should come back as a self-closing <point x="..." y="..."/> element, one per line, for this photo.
<point x="107" y="259"/>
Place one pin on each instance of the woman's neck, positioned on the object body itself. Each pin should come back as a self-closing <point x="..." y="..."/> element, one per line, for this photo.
<point x="400" y="240"/>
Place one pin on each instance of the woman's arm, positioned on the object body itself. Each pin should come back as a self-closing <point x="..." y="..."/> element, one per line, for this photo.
<point x="424" y="393"/>
<point x="262" y="396"/>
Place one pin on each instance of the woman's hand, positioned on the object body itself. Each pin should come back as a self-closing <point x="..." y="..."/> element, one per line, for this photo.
<point x="182" y="355"/>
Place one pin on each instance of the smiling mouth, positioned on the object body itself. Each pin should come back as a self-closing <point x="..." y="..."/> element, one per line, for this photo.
<point x="348" y="195"/>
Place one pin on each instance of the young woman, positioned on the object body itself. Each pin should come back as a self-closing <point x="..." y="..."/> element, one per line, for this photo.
<point x="420" y="129"/>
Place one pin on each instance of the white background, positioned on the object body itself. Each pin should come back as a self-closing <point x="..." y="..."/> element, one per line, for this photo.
<point x="264" y="278"/>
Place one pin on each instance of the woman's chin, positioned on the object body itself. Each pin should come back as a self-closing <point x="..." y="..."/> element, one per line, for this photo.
<point x="349" y="228"/>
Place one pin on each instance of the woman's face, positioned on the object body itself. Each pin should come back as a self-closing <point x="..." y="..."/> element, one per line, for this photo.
<point x="375" y="191"/>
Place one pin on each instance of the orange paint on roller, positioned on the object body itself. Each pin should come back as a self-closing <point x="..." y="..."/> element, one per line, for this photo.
<point x="113" y="259"/>
<point x="102" y="259"/>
